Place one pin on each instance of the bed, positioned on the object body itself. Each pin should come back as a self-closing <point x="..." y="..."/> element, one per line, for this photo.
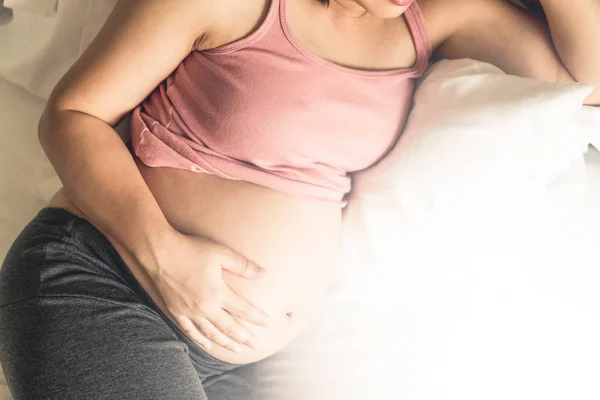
<point x="469" y="266"/>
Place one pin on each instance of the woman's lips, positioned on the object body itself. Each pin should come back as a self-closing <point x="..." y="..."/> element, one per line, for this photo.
<point x="401" y="3"/>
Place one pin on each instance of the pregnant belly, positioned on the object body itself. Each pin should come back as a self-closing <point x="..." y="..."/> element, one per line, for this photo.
<point x="295" y="240"/>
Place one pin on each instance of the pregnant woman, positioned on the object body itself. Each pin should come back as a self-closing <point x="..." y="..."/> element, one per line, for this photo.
<point x="166" y="269"/>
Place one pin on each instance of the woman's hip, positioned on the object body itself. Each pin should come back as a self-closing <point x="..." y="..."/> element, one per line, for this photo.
<point x="65" y="271"/>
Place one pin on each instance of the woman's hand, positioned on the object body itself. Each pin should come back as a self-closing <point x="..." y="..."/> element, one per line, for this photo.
<point x="189" y="278"/>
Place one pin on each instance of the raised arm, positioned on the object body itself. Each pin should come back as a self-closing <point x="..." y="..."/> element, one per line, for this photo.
<point x="140" y="45"/>
<point x="498" y="32"/>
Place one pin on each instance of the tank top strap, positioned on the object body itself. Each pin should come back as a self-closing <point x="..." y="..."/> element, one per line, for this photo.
<point x="272" y="15"/>
<point x="418" y="28"/>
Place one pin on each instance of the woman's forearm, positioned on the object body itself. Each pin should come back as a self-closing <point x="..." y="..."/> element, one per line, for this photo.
<point x="575" y="29"/>
<point x="101" y="179"/>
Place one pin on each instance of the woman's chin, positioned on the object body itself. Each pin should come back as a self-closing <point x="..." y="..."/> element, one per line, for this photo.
<point x="389" y="9"/>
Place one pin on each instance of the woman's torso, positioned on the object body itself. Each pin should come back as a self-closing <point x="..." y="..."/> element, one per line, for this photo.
<point x="295" y="239"/>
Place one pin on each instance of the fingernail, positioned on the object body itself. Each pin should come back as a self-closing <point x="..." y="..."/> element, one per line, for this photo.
<point x="207" y="346"/>
<point x="237" y="349"/>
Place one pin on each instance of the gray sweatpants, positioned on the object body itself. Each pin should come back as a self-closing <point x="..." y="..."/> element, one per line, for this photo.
<point x="75" y="324"/>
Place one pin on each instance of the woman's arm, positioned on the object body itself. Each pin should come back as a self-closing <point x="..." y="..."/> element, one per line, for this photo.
<point x="502" y="34"/>
<point x="142" y="42"/>
<point x="128" y="59"/>
<point x="575" y="28"/>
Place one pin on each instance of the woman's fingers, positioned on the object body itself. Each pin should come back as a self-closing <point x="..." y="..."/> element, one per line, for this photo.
<point x="239" y="265"/>
<point x="213" y="334"/>
<point x="191" y="330"/>
<point x="222" y="329"/>
<point x="242" y="309"/>
<point x="227" y="332"/>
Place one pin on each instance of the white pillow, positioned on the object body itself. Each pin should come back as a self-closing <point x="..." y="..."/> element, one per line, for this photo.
<point x="590" y="121"/>
<point x="477" y="141"/>
<point x="424" y="235"/>
<point x="473" y="235"/>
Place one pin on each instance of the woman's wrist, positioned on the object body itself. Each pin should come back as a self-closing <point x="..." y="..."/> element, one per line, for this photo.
<point x="150" y="248"/>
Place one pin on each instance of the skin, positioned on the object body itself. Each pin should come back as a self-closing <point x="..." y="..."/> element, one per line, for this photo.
<point x="195" y="241"/>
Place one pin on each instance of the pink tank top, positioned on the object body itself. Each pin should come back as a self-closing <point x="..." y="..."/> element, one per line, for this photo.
<point x="266" y="110"/>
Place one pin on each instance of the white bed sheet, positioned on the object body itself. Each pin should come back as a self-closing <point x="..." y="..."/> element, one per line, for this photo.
<point x="23" y="164"/>
<point x="37" y="48"/>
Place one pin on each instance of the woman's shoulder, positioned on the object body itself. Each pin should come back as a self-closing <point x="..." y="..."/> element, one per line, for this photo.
<point x="213" y="23"/>
<point x="140" y="44"/>
<point x="445" y="17"/>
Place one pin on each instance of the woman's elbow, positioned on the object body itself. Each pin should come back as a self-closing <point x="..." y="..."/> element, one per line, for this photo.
<point x="54" y="121"/>
<point x="44" y="123"/>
